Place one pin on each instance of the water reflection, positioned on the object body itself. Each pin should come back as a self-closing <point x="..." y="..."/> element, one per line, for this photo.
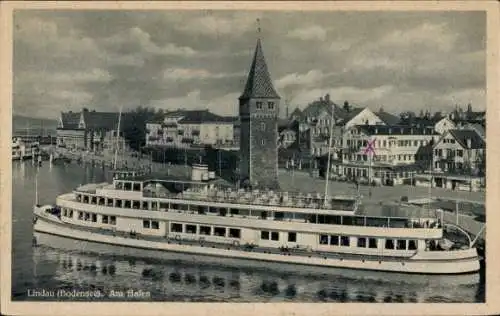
<point x="194" y="282"/>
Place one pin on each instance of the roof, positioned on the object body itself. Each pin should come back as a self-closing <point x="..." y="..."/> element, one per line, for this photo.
<point x="204" y="116"/>
<point x="425" y="150"/>
<point x="296" y="112"/>
<point x="476" y="127"/>
<point x="346" y="115"/>
<point x="462" y="135"/>
<point x="388" y="118"/>
<point x="396" y="130"/>
<point x="70" y="120"/>
<point x="101" y="120"/>
<point x="314" y="108"/>
<point x="259" y="83"/>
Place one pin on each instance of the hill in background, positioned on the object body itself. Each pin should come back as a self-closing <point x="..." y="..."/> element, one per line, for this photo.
<point x="33" y="126"/>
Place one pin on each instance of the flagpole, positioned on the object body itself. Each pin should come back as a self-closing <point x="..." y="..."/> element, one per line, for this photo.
<point x="329" y="154"/>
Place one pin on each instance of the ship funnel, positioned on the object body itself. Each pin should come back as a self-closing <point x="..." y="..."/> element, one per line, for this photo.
<point x="199" y="172"/>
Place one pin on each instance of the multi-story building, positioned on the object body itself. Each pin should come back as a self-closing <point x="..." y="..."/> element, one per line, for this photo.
<point x="393" y="153"/>
<point x="90" y="130"/>
<point x="459" y="152"/>
<point x="317" y="117"/>
<point x="183" y="128"/>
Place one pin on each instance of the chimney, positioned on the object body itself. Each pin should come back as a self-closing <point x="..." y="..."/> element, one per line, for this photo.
<point x="469" y="143"/>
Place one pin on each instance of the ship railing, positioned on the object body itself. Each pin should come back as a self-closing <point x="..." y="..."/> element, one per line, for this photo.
<point x="269" y="197"/>
<point x="247" y="197"/>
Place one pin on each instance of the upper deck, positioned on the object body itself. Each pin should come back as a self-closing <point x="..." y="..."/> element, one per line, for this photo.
<point x="215" y="191"/>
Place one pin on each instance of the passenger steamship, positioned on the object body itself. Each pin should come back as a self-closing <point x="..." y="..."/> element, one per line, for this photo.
<point x="203" y="219"/>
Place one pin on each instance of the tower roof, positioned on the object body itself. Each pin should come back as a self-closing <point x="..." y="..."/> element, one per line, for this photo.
<point x="259" y="83"/>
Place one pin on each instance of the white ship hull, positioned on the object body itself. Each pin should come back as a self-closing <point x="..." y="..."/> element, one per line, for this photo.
<point x="48" y="232"/>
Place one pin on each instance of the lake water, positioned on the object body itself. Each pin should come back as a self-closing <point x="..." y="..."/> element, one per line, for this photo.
<point x="53" y="269"/>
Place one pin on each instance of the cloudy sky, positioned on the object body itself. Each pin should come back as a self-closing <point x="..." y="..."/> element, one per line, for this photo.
<point x="66" y="60"/>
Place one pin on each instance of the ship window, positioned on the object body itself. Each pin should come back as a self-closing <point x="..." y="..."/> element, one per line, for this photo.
<point x="362" y="242"/>
<point x="202" y="209"/>
<point x="65" y="213"/>
<point x="94" y="200"/>
<point x="234" y="233"/>
<point x="234" y="211"/>
<point x="79" y="197"/>
<point x="136" y="204"/>
<point x="155" y="225"/>
<point x="87" y="216"/>
<point x="372" y="243"/>
<point x="258" y="105"/>
<point x="145" y="224"/>
<point x="137" y="187"/>
<point x="127" y="204"/>
<point x="347" y="220"/>
<point x="292" y="237"/>
<point x="105" y="219"/>
<point x="220" y="231"/>
<point x="323" y="239"/>
<point x="94" y="218"/>
<point x="389" y="244"/>
<point x="205" y="230"/>
<point x="144" y="205"/>
<point x="71" y="213"/>
<point x="101" y="201"/>
<point x="191" y="229"/>
<point x="401" y="244"/>
<point x="412" y="245"/>
<point x="334" y="240"/>
<point x="275" y="236"/>
<point x="174" y="206"/>
<point x="85" y="199"/>
<point x="176" y="228"/>
<point x="109" y="202"/>
<point x="119" y="203"/>
<point x="264" y="235"/>
<point x="154" y="205"/>
<point x="344" y="241"/>
<point x="112" y="220"/>
<point x="127" y="186"/>
<point x="163" y="206"/>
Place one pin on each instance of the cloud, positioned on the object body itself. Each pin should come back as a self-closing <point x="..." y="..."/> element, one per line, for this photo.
<point x="235" y="24"/>
<point x="176" y="74"/>
<point x="313" y="32"/>
<point x="295" y="79"/>
<point x="135" y="39"/>
<point x="200" y="59"/>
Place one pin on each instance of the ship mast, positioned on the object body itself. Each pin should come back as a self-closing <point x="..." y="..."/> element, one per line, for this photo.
<point x="329" y="152"/>
<point x="117" y="138"/>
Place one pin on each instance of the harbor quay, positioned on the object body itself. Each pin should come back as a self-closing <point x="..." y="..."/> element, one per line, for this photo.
<point x="293" y="181"/>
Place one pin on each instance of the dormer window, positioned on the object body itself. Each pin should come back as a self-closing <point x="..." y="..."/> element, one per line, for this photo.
<point x="270" y="105"/>
<point x="258" y="105"/>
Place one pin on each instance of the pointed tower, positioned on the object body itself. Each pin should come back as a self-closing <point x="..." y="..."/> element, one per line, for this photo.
<point x="258" y="110"/>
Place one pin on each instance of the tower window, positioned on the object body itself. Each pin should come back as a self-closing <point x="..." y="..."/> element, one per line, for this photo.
<point x="258" y="105"/>
<point x="270" y="105"/>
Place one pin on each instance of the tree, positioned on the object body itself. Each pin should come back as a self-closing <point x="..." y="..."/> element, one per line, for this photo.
<point x="134" y="125"/>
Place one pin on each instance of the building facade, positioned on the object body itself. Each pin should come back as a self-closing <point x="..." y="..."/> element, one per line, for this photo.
<point x="460" y="152"/>
<point x="185" y="128"/>
<point x="258" y="111"/>
<point x="90" y="130"/>
<point x="392" y="155"/>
